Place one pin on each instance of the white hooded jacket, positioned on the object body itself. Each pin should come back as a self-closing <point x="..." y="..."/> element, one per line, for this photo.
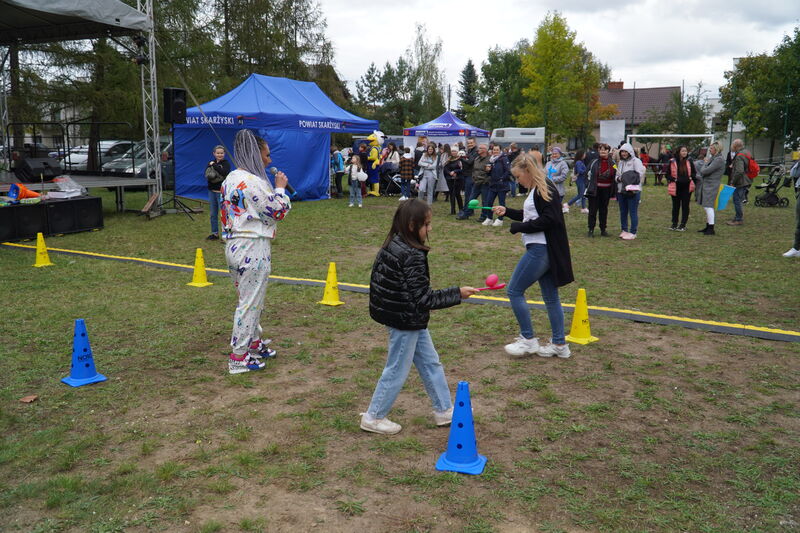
<point x="632" y="163"/>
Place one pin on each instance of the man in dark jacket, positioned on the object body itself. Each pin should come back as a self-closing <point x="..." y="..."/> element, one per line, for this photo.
<point x="467" y="164"/>
<point x="480" y="178"/>
<point x="740" y="180"/>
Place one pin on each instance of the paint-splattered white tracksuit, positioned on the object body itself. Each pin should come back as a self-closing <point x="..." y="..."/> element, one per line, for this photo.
<point x="250" y="211"/>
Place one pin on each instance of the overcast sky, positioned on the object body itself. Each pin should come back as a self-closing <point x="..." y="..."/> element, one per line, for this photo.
<point x="643" y="41"/>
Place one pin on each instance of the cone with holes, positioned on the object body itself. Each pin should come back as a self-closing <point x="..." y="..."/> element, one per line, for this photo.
<point x="42" y="257"/>
<point x="581" y="332"/>
<point x="18" y="191"/>
<point x="462" y="447"/>
<point x="331" y="294"/>
<point x="82" y="371"/>
<point x="199" y="278"/>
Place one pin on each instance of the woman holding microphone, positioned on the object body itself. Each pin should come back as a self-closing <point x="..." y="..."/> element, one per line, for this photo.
<point x="251" y="209"/>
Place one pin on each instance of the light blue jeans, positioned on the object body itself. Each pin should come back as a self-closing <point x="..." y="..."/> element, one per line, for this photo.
<point x="406" y="347"/>
<point x="532" y="267"/>
<point x="214" y="201"/>
<point x="629" y="204"/>
<point x="355" y="192"/>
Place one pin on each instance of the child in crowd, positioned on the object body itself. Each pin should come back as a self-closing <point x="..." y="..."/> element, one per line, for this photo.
<point x="401" y="298"/>
<point x="546" y="259"/>
<point x="354" y="174"/>
<point x="406" y="173"/>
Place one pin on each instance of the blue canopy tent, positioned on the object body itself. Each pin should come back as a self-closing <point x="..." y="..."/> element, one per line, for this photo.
<point x="446" y="128"/>
<point x="295" y="117"/>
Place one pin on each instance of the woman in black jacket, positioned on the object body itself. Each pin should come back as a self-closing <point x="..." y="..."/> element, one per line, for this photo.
<point x="546" y="259"/>
<point x="216" y="172"/>
<point x="400" y="298"/>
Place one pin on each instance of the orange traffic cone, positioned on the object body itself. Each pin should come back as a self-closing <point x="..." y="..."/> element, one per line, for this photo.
<point x="18" y="191"/>
<point x="199" y="278"/>
<point x="581" y="332"/>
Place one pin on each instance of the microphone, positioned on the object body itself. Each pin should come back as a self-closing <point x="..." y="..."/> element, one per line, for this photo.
<point x="289" y="188"/>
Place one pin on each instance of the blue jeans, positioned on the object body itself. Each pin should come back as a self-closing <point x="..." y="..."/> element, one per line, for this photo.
<point x="581" y="183"/>
<point x="488" y="200"/>
<point x="474" y="194"/>
<point x="406" y="347"/>
<point x="214" y="202"/>
<point x="532" y="267"/>
<point x="355" y="192"/>
<point x="513" y="185"/>
<point x="405" y="188"/>
<point x="629" y="204"/>
<point x="738" y="197"/>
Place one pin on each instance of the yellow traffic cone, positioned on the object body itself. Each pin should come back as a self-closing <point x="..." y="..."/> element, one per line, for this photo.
<point x="331" y="294"/>
<point x="199" y="278"/>
<point x="42" y="258"/>
<point x="580" y="332"/>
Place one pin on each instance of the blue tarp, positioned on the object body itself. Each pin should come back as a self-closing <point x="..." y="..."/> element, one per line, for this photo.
<point x="447" y="125"/>
<point x="295" y="117"/>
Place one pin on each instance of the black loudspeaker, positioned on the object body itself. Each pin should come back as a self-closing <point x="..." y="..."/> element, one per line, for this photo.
<point x="29" y="220"/>
<point x="73" y="215"/>
<point x="174" y="105"/>
<point x="8" y="231"/>
<point x="30" y="169"/>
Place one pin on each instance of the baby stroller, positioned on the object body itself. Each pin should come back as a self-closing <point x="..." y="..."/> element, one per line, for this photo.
<point x="389" y="176"/>
<point x="777" y="179"/>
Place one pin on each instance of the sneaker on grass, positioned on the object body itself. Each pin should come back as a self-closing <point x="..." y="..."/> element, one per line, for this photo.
<point x="258" y="349"/>
<point x="557" y="350"/>
<point x="443" y="418"/>
<point x="383" y="426"/>
<point x="248" y="364"/>
<point x="522" y="347"/>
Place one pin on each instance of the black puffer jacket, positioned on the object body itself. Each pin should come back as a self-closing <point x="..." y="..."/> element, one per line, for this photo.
<point x="400" y="294"/>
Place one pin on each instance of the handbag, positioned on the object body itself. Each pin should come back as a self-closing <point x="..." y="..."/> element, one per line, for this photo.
<point x="361" y="175"/>
<point x="212" y="176"/>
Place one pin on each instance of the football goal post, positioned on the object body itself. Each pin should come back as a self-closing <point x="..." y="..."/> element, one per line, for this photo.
<point x="709" y="136"/>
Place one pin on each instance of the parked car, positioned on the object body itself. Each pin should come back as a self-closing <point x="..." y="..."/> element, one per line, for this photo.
<point x="78" y="158"/>
<point x="132" y="162"/>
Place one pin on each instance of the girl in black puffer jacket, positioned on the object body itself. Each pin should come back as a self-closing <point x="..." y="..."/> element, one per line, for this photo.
<point x="400" y="297"/>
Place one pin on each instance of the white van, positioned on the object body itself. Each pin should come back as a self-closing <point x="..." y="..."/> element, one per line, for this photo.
<point x="525" y="138"/>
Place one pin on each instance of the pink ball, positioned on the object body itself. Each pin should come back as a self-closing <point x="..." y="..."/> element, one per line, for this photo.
<point x="491" y="280"/>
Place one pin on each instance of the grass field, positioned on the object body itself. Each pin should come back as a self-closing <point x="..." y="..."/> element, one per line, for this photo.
<point x="653" y="428"/>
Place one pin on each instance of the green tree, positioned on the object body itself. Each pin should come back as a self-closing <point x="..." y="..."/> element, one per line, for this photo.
<point x="407" y="92"/>
<point x="762" y="92"/>
<point x="467" y="91"/>
<point x="500" y="87"/>
<point x="562" y="80"/>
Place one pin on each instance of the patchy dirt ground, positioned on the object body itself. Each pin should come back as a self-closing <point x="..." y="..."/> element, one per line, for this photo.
<point x="652" y="428"/>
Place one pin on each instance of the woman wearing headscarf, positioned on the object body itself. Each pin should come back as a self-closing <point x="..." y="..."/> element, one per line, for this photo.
<point x="710" y="174"/>
<point x="251" y="209"/>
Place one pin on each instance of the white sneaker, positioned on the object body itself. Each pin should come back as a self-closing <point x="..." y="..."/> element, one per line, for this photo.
<point x="629" y="236"/>
<point x="792" y="253"/>
<point x="487" y="222"/>
<point x="443" y="418"/>
<point x="497" y="223"/>
<point x="384" y="426"/>
<point x="360" y="205"/>
<point x="349" y="205"/>
<point x="565" y="208"/>
<point x="402" y="198"/>
<point x="622" y="235"/>
<point x="248" y="364"/>
<point x="585" y="211"/>
<point x="551" y="349"/>
<point x="522" y="347"/>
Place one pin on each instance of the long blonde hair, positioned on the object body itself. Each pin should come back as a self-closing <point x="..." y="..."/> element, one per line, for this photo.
<point x="529" y="164"/>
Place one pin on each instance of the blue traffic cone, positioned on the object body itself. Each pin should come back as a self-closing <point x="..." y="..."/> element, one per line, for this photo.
<point x="82" y="370"/>
<point x="462" y="447"/>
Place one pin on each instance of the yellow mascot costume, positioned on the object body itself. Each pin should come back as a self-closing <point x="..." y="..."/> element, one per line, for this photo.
<point x="375" y="143"/>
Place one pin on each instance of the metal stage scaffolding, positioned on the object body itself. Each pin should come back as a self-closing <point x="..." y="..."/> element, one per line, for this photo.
<point x="31" y="21"/>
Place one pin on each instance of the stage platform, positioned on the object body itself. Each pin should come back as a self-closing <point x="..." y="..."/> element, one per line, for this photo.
<point x="118" y="183"/>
